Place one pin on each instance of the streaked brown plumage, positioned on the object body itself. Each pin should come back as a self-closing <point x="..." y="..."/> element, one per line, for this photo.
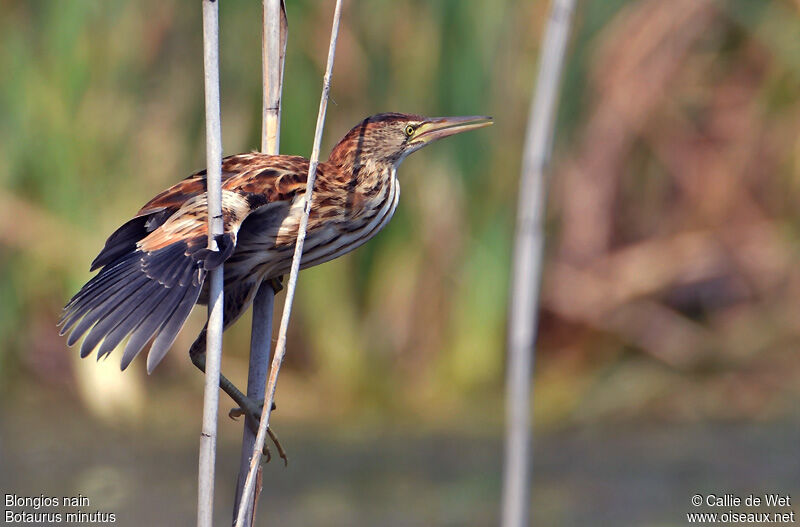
<point x="153" y="268"/>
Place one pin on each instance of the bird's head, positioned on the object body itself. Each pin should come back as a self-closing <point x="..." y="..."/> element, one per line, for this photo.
<point x="387" y="138"/>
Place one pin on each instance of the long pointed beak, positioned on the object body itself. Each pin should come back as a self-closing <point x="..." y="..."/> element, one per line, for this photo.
<point x="437" y="127"/>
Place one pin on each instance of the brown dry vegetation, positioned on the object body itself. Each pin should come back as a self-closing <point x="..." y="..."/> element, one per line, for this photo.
<point x="672" y="287"/>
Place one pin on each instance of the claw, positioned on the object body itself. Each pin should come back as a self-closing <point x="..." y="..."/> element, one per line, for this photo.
<point x="255" y="416"/>
<point x="276" y="284"/>
<point x="236" y="413"/>
<point x="277" y="444"/>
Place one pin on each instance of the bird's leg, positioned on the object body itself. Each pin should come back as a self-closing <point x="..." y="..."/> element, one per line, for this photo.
<point x="247" y="406"/>
<point x="254" y="414"/>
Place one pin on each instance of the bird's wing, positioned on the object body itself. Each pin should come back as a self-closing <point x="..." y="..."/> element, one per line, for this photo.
<point x="152" y="268"/>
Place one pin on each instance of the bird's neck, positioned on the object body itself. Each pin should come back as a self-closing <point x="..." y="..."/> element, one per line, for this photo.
<point x="360" y="178"/>
<point x="356" y="155"/>
<point x="360" y="170"/>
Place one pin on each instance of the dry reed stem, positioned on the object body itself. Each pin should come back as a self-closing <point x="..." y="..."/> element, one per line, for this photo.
<point x="208" y="435"/>
<point x="273" y="51"/>
<point x="280" y="347"/>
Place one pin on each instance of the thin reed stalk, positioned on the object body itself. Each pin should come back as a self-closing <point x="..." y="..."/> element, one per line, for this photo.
<point x="280" y="347"/>
<point x="273" y="50"/>
<point x="208" y="435"/>
<point x="527" y="267"/>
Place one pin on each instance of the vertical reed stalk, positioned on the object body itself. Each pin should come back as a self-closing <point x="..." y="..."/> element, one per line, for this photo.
<point x="273" y="50"/>
<point x="527" y="267"/>
<point x="208" y="435"/>
<point x="280" y="346"/>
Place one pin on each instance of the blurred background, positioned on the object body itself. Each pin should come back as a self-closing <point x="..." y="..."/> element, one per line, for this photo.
<point x="667" y="361"/>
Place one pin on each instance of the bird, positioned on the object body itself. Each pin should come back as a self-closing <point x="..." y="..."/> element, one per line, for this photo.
<point x="153" y="269"/>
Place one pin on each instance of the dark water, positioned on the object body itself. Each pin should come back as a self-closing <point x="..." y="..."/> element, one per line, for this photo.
<point x="623" y="475"/>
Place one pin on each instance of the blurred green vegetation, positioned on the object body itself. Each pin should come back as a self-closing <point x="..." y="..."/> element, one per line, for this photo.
<point x="102" y="107"/>
<point x="669" y="286"/>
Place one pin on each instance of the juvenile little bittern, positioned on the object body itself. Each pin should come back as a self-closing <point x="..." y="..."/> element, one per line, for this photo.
<point x="153" y="268"/>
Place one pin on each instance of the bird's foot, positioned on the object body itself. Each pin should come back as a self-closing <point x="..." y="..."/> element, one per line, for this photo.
<point x="276" y="284"/>
<point x="252" y="410"/>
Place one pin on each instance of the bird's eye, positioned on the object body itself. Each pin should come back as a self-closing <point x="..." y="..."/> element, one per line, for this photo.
<point x="409" y="131"/>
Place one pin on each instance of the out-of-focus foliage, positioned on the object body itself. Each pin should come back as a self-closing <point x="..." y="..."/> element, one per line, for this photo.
<point x="670" y="286"/>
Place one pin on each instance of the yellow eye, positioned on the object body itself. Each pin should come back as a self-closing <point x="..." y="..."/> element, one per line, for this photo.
<point x="409" y="131"/>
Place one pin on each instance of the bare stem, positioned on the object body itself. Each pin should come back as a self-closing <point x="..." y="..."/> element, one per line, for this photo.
<point x="273" y="51"/>
<point x="208" y="435"/>
<point x="280" y="347"/>
<point x="527" y="271"/>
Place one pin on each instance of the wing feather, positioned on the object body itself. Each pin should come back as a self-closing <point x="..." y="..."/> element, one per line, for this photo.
<point x="137" y="302"/>
<point x="100" y="309"/>
<point x="152" y="269"/>
<point x="150" y="306"/>
<point x="172" y="325"/>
